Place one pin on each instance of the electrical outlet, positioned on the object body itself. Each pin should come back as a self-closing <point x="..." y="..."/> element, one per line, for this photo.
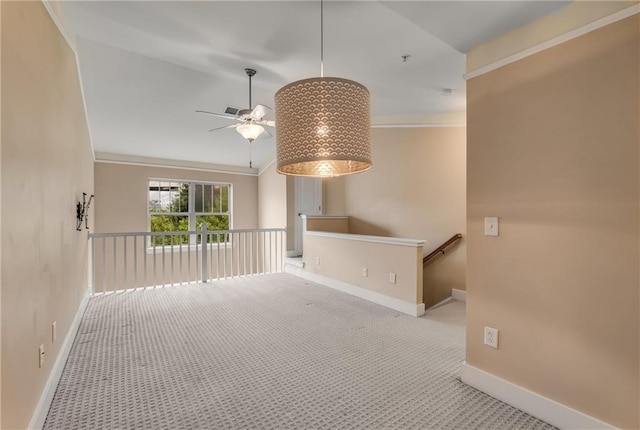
<point x="392" y="278"/>
<point x="53" y="332"/>
<point x="491" y="337"/>
<point x="318" y="261"/>
<point x="41" y="356"/>
<point x="365" y="272"/>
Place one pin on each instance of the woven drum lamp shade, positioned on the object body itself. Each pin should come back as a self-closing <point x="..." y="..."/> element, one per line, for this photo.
<point x="323" y="128"/>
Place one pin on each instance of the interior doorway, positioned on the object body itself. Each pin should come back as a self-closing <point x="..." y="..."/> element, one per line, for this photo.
<point x="308" y="201"/>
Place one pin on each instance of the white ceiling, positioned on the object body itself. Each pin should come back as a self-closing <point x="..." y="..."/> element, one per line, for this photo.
<point x="146" y="66"/>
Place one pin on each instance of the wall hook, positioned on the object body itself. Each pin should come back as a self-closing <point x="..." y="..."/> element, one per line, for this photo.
<point x="82" y="212"/>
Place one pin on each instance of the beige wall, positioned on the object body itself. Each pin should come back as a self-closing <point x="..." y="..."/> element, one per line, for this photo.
<point x="121" y="195"/>
<point x="417" y="189"/>
<point x="0" y="224"/>
<point x="272" y="198"/>
<point x="574" y="15"/>
<point x="343" y="259"/>
<point x="335" y="224"/>
<point x="121" y="206"/>
<point x="553" y="150"/>
<point x="46" y="165"/>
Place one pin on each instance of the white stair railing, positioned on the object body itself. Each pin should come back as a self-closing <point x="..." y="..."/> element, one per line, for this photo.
<point x="124" y="261"/>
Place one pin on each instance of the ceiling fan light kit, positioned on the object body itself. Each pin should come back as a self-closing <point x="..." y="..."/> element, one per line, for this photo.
<point x="250" y="131"/>
<point x="323" y="125"/>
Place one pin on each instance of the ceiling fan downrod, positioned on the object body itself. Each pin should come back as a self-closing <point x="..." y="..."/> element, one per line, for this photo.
<point x="250" y="73"/>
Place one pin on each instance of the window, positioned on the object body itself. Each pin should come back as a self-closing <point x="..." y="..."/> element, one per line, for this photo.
<point x="184" y="206"/>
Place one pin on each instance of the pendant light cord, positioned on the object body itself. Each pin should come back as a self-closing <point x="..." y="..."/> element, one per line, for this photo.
<point x="322" y="38"/>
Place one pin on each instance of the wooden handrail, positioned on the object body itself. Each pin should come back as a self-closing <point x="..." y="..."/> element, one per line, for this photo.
<point x="456" y="237"/>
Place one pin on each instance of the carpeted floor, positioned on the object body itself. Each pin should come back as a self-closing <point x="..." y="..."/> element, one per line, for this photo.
<point x="269" y="352"/>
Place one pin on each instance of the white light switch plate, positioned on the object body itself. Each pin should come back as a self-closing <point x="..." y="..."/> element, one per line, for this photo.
<point x="491" y="226"/>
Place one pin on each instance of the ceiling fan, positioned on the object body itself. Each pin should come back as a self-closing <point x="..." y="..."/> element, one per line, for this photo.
<point x="250" y="122"/>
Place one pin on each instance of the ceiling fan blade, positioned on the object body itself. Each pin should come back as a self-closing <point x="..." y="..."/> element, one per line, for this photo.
<point x="224" y="126"/>
<point x="259" y="111"/>
<point x="267" y="122"/>
<point x="221" y="115"/>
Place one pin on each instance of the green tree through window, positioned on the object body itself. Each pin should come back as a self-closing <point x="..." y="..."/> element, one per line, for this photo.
<point x="184" y="206"/>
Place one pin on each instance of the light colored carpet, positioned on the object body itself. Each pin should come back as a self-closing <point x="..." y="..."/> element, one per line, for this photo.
<point x="269" y="352"/>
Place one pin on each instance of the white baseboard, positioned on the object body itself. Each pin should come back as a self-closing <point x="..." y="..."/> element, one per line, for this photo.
<point x="440" y="303"/>
<point x="40" y="414"/>
<point x="460" y="295"/>
<point x="296" y="262"/>
<point x="380" y="299"/>
<point x="533" y="403"/>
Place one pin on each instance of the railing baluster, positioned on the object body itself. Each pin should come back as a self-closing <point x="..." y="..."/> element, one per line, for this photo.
<point x="211" y="257"/>
<point x="104" y="265"/>
<point x="93" y="265"/>
<point x="124" y="247"/>
<point x="218" y="257"/>
<point x="232" y="243"/>
<point x="264" y="252"/>
<point x="278" y="256"/>
<point x="155" y="263"/>
<point x="115" y="281"/>
<point x="244" y="254"/>
<point x="197" y="263"/>
<point x="163" y="258"/>
<point x="144" y="251"/>
<point x="281" y="252"/>
<point x="270" y="253"/>
<point x="173" y="281"/>
<point x="234" y="262"/>
<point x="236" y="245"/>
<point x="135" y="261"/>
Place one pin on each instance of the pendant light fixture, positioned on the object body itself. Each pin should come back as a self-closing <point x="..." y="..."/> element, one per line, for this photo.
<point x="323" y="125"/>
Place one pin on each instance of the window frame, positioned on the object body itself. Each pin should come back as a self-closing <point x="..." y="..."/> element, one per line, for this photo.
<point x="191" y="213"/>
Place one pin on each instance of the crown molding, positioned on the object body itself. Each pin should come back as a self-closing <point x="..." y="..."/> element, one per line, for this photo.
<point x="580" y="31"/>
<point x="106" y="157"/>
<point x="417" y="125"/>
<point x="266" y="166"/>
<point x="58" y="23"/>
